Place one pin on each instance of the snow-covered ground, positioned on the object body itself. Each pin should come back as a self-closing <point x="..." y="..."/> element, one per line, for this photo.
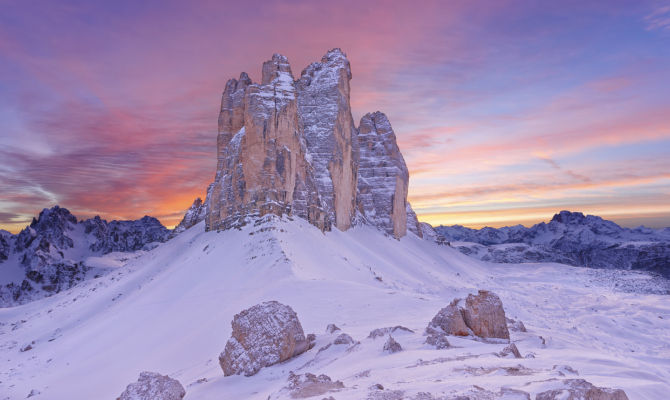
<point x="169" y="311"/>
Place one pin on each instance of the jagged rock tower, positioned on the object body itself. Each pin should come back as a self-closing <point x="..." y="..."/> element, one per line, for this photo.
<point x="289" y="146"/>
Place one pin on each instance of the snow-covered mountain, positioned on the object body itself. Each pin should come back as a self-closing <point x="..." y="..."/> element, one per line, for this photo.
<point x="55" y="252"/>
<point x="169" y="311"/>
<point x="570" y="238"/>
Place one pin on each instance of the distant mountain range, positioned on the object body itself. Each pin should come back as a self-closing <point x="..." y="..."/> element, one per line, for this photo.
<point x="569" y="238"/>
<point x="52" y="253"/>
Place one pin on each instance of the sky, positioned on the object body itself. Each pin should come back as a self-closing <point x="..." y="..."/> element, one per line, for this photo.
<point x="506" y="111"/>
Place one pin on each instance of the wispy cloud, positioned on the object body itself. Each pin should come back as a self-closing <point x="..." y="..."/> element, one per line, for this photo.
<point x="110" y="107"/>
<point x="659" y="18"/>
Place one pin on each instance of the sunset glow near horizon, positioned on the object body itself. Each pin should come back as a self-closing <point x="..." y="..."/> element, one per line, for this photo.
<point x="506" y="111"/>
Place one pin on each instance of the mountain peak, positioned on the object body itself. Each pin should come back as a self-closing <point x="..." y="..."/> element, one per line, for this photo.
<point x="291" y="147"/>
<point x="569" y="217"/>
<point x="277" y="67"/>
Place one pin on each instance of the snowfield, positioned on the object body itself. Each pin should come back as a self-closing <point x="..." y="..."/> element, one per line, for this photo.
<point x="169" y="310"/>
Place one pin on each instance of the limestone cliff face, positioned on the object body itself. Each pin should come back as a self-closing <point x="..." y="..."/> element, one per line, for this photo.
<point x="330" y="134"/>
<point x="289" y="146"/>
<point x="383" y="176"/>
<point x="262" y="163"/>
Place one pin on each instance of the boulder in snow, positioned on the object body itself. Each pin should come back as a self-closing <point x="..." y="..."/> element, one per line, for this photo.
<point x="263" y="335"/>
<point x="309" y="385"/>
<point x="481" y="315"/>
<point x="448" y="321"/>
<point x="391" y="346"/>
<point x="484" y="314"/>
<point x="510" y="350"/>
<point x="153" y="386"/>
<point x="579" y="389"/>
<point x="343" y="338"/>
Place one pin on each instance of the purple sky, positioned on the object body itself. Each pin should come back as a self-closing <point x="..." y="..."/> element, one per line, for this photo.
<point x="506" y="111"/>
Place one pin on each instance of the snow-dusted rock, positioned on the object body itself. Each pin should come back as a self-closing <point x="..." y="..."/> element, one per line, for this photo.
<point x="510" y="351"/>
<point x="448" y="321"/>
<point x="331" y="328"/>
<point x="153" y="386"/>
<point x="391" y="346"/>
<point x="383" y="176"/>
<point x="515" y="325"/>
<point x="344" y="338"/>
<point x="263" y="335"/>
<point x="194" y="215"/>
<point x="569" y="238"/>
<point x="262" y="164"/>
<point x="480" y="315"/>
<point x="290" y="147"/>
<point x="579" y="389"/>
<point x="309" y="385"/>
<point x="429" y="233"/>
<point x="484" y="315"/>
<point x="379" y="332"/>
<point x="330" y="134"/>
<point x="413" y="224"/>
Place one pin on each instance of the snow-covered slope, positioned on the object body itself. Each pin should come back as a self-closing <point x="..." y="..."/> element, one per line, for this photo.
<point x="169" y="311"/>
<point x="571" y="238"/>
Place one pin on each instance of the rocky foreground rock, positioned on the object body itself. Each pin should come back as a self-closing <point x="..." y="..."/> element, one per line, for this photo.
<point x="579" y="389"/>
<point x="263" y="335"/>
<point x="153" y="386"/>
<point x="289" y="146"/>
<point x="481" y="315"/>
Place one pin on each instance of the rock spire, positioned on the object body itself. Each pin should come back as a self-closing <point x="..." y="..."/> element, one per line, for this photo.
<point x="290" y="146"/>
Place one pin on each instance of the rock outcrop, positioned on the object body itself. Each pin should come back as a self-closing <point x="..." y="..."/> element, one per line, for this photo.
<point x="481" y="315"/>
<point x="263" y="335"/>
<point x="153" y="386"/>
<point x="383" y="176"/>
<point x="290" y="147"/>
<point x="579" y="389"/>
<point x="330" y="134"/>
<point x="379" y="332"/>
<point x="391" y="346"/>
<point x="484" y="314"/>
<point x="448" y="321"/>
<point x="413" y="224"/>
<point x="510" y="351"/>
<point x="309" y="385"/>
<point x="194" y="215"/>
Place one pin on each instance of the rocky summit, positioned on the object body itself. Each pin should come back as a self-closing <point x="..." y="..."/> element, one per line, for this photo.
<point x="289" y="146"/>
<point x="52" y="254"/>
